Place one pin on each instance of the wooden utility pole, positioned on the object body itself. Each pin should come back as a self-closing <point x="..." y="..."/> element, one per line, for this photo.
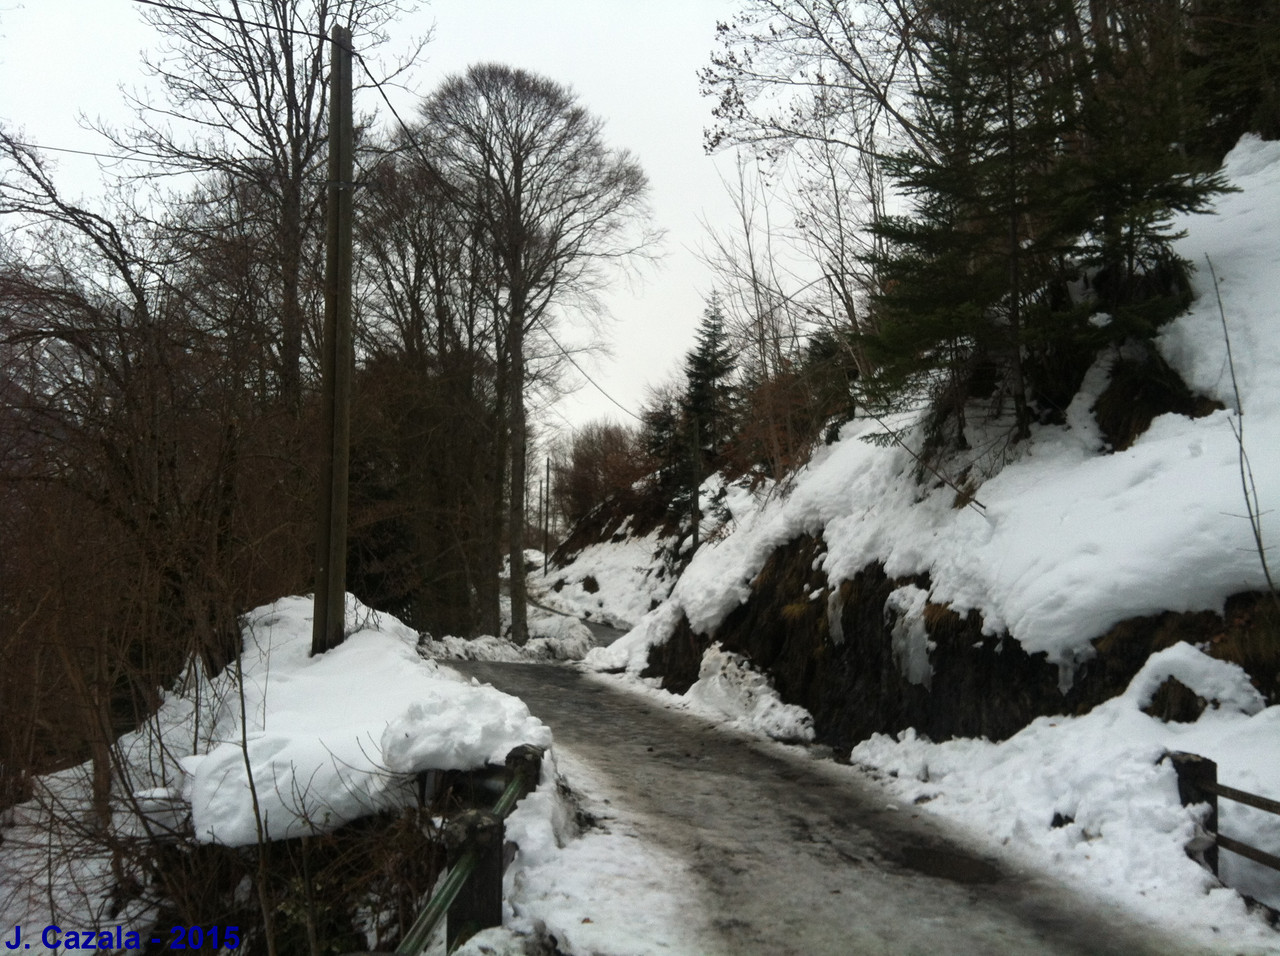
<point x="695" y="510"/>
<point x="337" y="358"/>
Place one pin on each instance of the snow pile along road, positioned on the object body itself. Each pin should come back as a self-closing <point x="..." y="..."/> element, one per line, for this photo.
<point x="327" y="739"/>
<point x="313" y="742"/>
<point x="1091" y="797"/>
<point x="729" y="689"/>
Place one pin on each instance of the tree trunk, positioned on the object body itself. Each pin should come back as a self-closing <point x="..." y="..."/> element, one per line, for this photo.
<point x="291" y="301"/>
<point x="515" y="499"/>
<point x="490" y="514"/>
<point x="1019" y="386"/>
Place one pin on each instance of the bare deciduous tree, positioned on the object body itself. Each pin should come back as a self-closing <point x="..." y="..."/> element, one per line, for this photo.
<point x="244" y="88"/>
<point x="529" y="168"/>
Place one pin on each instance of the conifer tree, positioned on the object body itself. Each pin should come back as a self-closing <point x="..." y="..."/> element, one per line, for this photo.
<point x="660" y="441"/>
<point x="965" y="274"/>
<point x="1233" y="60"/>
<point x="708" y="397"/>
<point x="705" y="424"/>
<point x="1136" y="117"/>
<point x="1049" y="149"/>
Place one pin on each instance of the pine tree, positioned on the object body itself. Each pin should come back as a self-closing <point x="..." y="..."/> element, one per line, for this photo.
<point x="662" y="445"/>
<point x="709" y="395"/>
<point x="1052" y="148"/>
<point x="966" y="281"/>
<point x="704" y="425"/>
<point x="1233" y="61"/>
<point x="1136" y="116"/>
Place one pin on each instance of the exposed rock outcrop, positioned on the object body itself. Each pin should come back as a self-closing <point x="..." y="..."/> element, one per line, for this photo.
<point x="872" y="655"/>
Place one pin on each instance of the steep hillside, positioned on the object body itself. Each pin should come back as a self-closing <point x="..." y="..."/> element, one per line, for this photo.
<point x="1090" y="596"/>
<point x="1065" y="537"/>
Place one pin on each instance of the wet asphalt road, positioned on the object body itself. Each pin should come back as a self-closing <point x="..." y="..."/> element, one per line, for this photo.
<point x="799" y="855"/>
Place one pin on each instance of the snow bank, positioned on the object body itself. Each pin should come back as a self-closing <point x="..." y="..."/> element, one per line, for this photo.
<point x="1091" y="798"/>
<point x="327" y="739"/>
<point x="729" y="689"/>
<point x="615" y="583"/>
<point x="1072" y="540"/>
<point x="607" y="889"/>
<point x="324" y="740"/>
<point x="552" y="637"/>
<point x="557" y="637"/>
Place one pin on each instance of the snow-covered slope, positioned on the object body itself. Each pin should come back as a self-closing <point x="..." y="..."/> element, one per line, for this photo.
<point x="614" y="582"/>
<point x="1072" y="539"/>
<point x="619" y="580"/>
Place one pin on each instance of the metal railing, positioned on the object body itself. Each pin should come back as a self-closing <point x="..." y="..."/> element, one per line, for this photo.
<point x="1198" y="783"/>
<point x="469" y="898"/>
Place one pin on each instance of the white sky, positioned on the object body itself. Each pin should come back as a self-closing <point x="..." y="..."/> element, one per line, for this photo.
<point x="631" y="63"/>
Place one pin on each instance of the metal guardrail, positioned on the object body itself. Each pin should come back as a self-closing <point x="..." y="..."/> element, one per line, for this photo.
<point x="1198" y="783"/>
<point x="469" y="898"/>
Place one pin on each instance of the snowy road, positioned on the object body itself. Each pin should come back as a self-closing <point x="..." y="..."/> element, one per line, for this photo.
<point x="603" y="633"/>
<point x="797" y="855"/>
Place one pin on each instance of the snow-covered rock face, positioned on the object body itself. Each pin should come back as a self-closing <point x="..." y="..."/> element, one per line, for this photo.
<point x="1072" y="544"/>
<point x="1223" y="685"/>
<point x="1071" y="540"/>
<point x="911" y="644"/>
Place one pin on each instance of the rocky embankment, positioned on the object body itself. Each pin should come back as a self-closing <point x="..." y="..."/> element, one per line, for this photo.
<point x="862" y="661"/>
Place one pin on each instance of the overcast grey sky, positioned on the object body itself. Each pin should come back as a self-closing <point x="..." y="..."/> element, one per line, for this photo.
<point x="631" y="62"/>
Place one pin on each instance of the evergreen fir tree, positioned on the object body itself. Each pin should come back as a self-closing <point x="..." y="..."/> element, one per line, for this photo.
<point x="1136" y="171"/>
<point x="706" y="408"/>
<point x="708" y="398"/>
<point x="661" y="440"/>
<point x="967" y="278"/>
<point x="1233" y="60"/>
<point x="1053" y="150"/>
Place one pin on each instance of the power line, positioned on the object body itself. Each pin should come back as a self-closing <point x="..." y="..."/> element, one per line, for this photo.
<point x="241" y="21"/>
<point x="377" y="84"/>
<point x="206" y="15"/>
<point x="598" y="387"/>
<point x="447" y="187"/>
<point x="122" y="159"/>
<point x="408" y="131"/>
<point x="238" y="21"/>
<point x="86" y="152"/>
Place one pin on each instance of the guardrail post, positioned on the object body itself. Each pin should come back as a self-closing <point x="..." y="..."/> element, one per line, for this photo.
<point x="525" y="761"/>
<point x="1197" y="778"/>
<point x="478" y="904"/>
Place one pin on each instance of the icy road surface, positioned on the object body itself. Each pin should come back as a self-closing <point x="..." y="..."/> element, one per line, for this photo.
<point x="798" y="855"/>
